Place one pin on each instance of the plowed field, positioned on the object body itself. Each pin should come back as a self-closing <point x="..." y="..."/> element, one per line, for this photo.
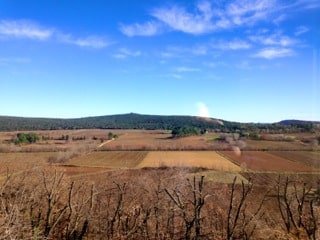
<point x="204" y="159"/>
<point x="264" y="161"/>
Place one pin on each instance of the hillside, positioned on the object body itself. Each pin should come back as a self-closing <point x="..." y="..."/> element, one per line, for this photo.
<point x="297" y="122"/>
<point x="136" y="121"/>
<point x="122" y="121"/>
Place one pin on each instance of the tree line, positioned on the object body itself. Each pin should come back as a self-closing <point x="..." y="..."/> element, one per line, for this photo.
<point x="150" y="122"/>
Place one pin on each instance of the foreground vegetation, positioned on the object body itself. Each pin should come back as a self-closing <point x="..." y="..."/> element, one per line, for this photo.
<point x="149" y="204"/>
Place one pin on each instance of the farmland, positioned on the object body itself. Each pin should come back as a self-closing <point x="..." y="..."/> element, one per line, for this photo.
<point x="310" y="158"/>
<point x="15" y="162"/>
<point x="147" y="173"/>
<point x="264" y="161"/>
<point x="204" y="159"/>
<point x="114" y="159"/>
<point x="157" y="148"/>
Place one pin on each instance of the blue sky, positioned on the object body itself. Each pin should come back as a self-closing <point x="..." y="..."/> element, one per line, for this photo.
<point x="244" y="60"/>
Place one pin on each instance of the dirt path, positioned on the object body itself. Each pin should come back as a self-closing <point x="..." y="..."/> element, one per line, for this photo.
<point x="106" y="142"/>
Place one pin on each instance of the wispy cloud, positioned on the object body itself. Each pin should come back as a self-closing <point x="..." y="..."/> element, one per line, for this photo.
<point x="150" y="28"/>
<point x="202" y="110"/>
<point x="180" y="52"/>
<point x="301" y="30"/>
<point x="214" y="64"/>
<point x="186" y="69"/>
<point x="179" y="19"/>
<point x="124" y="53"/>
<point x="249" y="11"/>
<point x="280" y="19"/>
<point x="209" y="16"/>
<point x="176" y="76"/>
<point x="307" y="4"/>
<point x="89" y="41"/>
<point x="231" y="45"/>
<point x="276" y="39"/>
<point x="30" y="30"/>
<point x="24" y="29"/>
<point x="271" y="53"/>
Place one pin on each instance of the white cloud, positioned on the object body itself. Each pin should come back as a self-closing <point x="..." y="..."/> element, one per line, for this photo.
<point x="31" y="30"/>
<point x="301" y="30"/>
<point x="186" y="69"/>
<point x="89" y="41"/>
<point x="308" y="4"/>
<point x="243" y="12"/>
<point x="181" y="52"/>
<point x="231" y="45"/>
<point x="179" y="19"/>
<point x="208" y="16"/>
<point x="24" y="29"/>
<point x="125" y="53"/>
<point x="150" y="28"/>
<point x="215" y="64"/>
<point x="203" y="110"/>
<point x="271" y="53"/>
<point x="276" y="39"/>
<point x="280" y="19"/>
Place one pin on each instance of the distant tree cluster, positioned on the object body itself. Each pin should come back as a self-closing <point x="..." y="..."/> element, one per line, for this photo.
<point x="65" y="137"/>
<point x="112" y="136"/>
<point x="81" y="138"/>
<point x="26" y="138"/>
<point x="187" y="131"/>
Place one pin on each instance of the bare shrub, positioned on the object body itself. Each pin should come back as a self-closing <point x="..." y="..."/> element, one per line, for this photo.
<point x="63" y="157"/>
<point x="242" y="223"/>
<point x="151" y="204"/>
<point x="297" y="206"/>
<point x="190" y="208"/>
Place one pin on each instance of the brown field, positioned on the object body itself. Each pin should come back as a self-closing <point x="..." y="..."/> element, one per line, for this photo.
<point x="205" y="159"/>
<point x="143" y="140"/>
<point x="127" y="140"/>
<point x="113" y="159"/>
<point x="309" y="158"/>
<point x="256" y="145"/>
<point x="72" y="170"/>
<point x="264" y="161"/>
<point x="92" y="139"/>
<point x="15" y="162"/>
<point x="221" y="177"/>
<point x="161" y="140"/>
<point x="271" y="178"/>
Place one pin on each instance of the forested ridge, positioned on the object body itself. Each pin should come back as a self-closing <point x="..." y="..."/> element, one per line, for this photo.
<point x="139" y="121"/>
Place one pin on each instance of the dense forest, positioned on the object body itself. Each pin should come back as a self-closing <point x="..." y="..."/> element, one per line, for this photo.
<point x="139" y="121"/>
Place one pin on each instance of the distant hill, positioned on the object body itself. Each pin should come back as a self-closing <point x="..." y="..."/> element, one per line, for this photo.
<point x="297" y="122"/>
<point x="121" y="121"/>
<point x="134" y="121"/>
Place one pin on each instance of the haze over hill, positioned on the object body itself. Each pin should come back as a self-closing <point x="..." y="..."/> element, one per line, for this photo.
<point x="134" y="121"/>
